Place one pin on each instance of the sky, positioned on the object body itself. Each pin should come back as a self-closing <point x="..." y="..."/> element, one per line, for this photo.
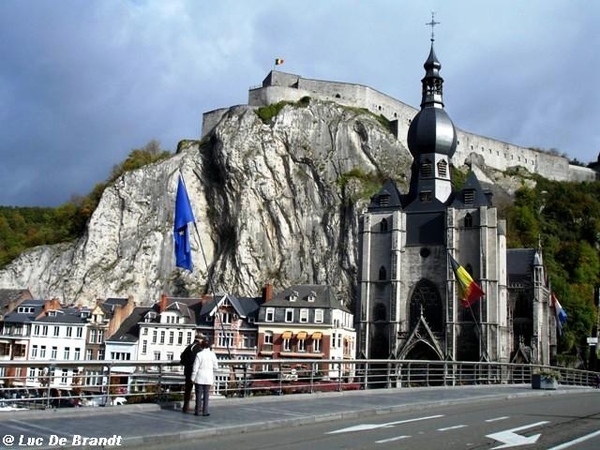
<point x="85" y="82"/>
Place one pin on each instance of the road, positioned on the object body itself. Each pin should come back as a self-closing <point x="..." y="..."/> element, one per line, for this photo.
<point x="550" y="423"/>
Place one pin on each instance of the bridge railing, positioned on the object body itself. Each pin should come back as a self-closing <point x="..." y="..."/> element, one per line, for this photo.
<point x="48" y="384"/>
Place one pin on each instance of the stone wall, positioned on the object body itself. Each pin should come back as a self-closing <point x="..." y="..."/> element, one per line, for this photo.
<point x="278" y="86"/>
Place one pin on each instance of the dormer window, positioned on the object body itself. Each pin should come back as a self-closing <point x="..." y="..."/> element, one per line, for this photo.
<point x="150" y="316"/>
<point x="426" y="169"/>
<point x="293" y="296"/>
<point x="312" y="296"/>
<point x="51" y="313"/>
<point x="25" y="309"/>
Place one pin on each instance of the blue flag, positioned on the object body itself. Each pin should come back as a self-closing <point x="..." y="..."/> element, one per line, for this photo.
<point x="561" y="314"/>
<point x="183" y="216"/>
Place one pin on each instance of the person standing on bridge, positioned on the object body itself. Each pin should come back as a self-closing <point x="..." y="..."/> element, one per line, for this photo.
<point x="188" y="356"/>
<point x="203" y="375"/>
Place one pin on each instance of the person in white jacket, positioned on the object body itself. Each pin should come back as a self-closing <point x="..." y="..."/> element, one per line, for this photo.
<point x="203" y="376"/>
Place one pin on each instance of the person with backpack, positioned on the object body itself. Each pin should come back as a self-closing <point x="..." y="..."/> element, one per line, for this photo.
<point x="188" y="356"/>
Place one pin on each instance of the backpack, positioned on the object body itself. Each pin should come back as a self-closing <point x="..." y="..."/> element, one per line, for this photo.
<point x="189" y="354"/>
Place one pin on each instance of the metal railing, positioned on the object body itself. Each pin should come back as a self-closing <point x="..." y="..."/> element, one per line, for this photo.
<point x="48" y="384"/>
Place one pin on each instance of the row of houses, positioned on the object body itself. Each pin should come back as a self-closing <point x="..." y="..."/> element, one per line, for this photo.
<point x="300" y="323"/>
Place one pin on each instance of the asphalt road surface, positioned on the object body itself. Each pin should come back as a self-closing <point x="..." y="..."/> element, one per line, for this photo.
<point x="550" y="423"/>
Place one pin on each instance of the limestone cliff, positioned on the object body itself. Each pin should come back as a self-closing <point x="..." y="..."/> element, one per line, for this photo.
<point x="274" y="202"/>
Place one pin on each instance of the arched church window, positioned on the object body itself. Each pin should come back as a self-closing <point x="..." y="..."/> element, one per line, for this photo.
<point x="383" y="225"/>
<point x="442" y="167"/>
<point x="468" y="220"/>
<point x="426" y="168"/>
<point x="379" y="312"/>
<point x="426" y="298"/>
<point x="382" y="273"/>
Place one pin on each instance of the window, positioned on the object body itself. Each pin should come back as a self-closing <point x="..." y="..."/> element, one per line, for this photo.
<point x="468" y="220"/>
<point x="88" y="354"/>
<point x="56" y="331"/>
<point x="64" y="377"/>
<point x="77" y="354"/>
<point x="79" y="332"/>
<point x="43" y="351"/>
<point x="145" y="331"/>
<point x="304" y="315"/>
<point x="34" y="351"/>
<point x="289" y="315"/>
<point x="318" y="316"/>
<point x="180" y="338"/>
<point x="225" y="317"/>
<point x="383" y="225"/>
<point x="171" y="337"/>
<point x="426" y="168"/>
<point x="45" y="330"/>
<point x="67" y="353"/>
<point x="156" y="356"/>
<point x="301" y="345"/>
<point x="286" y="346"/>
<point x="293" y="296"/>
<point x="144" y="347"/>
<point x="442" y="167"/>
<point x="333" y="340"/>
<point x="53" y="352"/>
<point x="101" y="354"/>
<point x="225" y="339"/>
<point x="425" y="196"/>
<point x="317" y="345"/>
<point x="36" y="330"/>
<point x="162" y="336"/>
<point x="469" y="196"/>
<point x="154" y="336"/>
<point x="169" y="356"/>
<point x="100" y="336"/>
<point x="93" y="334"/>
<point x="270" y="315"/>
<point x="268" y="337"/>
<point x="382" y="273"/>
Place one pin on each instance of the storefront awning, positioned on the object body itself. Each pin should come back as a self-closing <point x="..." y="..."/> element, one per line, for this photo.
<point x="286" y="335"/>
<point x="301" y="335"/>
<point x="317" y="335"/>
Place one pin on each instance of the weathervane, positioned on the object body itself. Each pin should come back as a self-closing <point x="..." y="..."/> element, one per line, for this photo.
<point x="432" y="24"/>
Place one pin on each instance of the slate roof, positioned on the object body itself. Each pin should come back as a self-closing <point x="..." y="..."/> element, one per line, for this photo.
<point x="519" y="262"/>
<point x="325" y="297"/>
<point x="12" y="295"/>
<point x="16" y="317"/>
<point x="129" y="331"/>
<point x="479" y="194"/>
<point x="244" y="306"/>
<point x="66" y="315"/>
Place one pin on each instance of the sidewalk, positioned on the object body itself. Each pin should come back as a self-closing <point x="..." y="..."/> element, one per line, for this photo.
<point x="149" y="423"/>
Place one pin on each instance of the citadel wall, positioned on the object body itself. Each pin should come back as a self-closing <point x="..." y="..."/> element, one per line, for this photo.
<point x="278" y="86"/>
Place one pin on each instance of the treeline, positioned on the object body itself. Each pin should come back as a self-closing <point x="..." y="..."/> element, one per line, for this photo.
<point x="25" y="227"/>
<point x="564" y="218"/>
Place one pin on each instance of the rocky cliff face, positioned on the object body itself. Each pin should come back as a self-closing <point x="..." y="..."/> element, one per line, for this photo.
<point x="275" y="202"/>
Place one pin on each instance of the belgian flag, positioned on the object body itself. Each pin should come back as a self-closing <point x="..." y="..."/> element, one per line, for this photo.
<point x="278" y="61"/>
<point x="468" y="291"/>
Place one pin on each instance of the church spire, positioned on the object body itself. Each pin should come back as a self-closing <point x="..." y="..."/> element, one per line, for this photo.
<point x="431" y="136"/>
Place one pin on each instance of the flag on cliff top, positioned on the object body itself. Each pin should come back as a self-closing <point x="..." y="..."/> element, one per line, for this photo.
<point x="278" y="61"/>
<point x="561" y="314"/>
<point x="181" y="235"/>
<point x="468" y="291"/>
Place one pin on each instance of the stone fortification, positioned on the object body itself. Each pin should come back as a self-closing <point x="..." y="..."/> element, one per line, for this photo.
<point x="278" y="86"/>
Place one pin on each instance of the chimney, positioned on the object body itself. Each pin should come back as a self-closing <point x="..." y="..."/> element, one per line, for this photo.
<point x="163" y="302"/>
<point x="268" y="292"/>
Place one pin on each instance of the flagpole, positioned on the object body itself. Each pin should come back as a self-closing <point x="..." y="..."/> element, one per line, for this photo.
<point x="210" y="289"/>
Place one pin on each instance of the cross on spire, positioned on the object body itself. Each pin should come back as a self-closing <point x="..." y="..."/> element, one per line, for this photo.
<point x="432" y="24"/>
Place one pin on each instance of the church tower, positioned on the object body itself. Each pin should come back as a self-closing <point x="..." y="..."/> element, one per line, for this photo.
<point x="408" y="306"/>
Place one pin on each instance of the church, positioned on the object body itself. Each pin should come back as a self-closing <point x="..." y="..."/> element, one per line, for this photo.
<point x="409" y="306"/>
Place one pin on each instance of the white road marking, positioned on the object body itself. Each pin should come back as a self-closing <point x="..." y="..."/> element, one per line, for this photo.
<point x="576" y="441"/>
<point x="455" y="427"/>
<point x="397" y="438"/>
<point x="496" y="419"/>
<point x="375" y="426"/>
<point x="510" y="438"/>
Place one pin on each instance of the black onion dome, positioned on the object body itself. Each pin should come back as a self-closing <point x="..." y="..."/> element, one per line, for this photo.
<point x="432" y="131"/>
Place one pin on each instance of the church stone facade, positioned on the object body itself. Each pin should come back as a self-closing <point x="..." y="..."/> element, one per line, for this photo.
<point x="408" y="304"/>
